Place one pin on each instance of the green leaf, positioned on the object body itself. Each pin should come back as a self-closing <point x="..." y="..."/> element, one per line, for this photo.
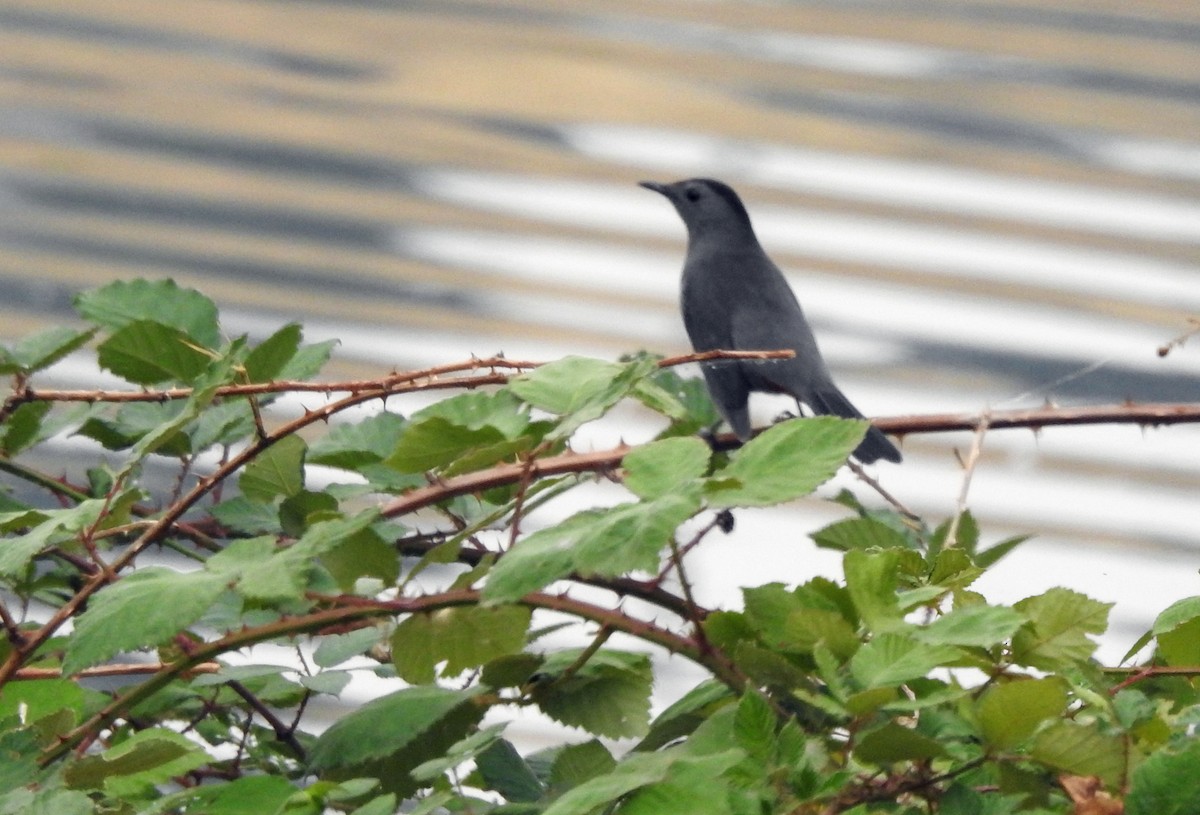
<point x="860" y="533"/>
<point x="335" y="649"/>
<point x="475" y="410"/>
<point x="579" y="389"/>
<point x="504" y="771"/>
<point x="1178" y="613"/>
<point x="259" y="569"/>
<point x="386" y="725"/>
<point x="465" y="749"/>
<point x="144" y="609"/>
<point x="786" y="461"/>
<point x="995" y="552"/>
<point x="893" y="743"/>
<point x="892" y="658"/>
<point x="1082" y="750"/>
<point x="351" y="446"/>
<point x="308" y="361"/>
<point x="48" y="529"/>
<point x="43" y="349"/>
<point x="248" y="795"/>
<point x="278" y="470"/>
<point x="34" y="700"/>
<point x="363" y="555"/>
<point x="147" y="353"/>
<point x="685" y="714"/>
<point x="144" y="759"/>
<point x="270" y="356"/>
<point x="979" y="626"/>
<point x="609" y="695"/>
<point x="433" y="443"/>
<point x="692" y="784"/>
<point x="661" y="467"/>
<point x="240" y="514"/>
<point x="635" y="771"/>
<point x="462" y="637"/>
<point x="1056" y="636"/>
<point x="604" y="542"/>
<point x="118" y="304"/>
<point x="576" y="763"/>
<point x="223" y="423"/>
<point x="871" y="583"/>
<point x="754" y="727"/>
<point x="220" y="371"/>
<point x="1166" y="783"/>
<point x="1009" y="713"/>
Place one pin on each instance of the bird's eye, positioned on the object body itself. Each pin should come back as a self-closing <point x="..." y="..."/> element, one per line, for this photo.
<point x="692" y="194"/>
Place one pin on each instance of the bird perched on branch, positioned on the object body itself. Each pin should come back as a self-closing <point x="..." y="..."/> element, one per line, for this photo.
<point x="735" y="298"/>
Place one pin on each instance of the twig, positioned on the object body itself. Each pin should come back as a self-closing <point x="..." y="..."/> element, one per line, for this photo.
<point x="874" y="484"/>
<point x="282" y="731"/>
<point x="968" y="472"/>
<point x="1178" y="342"/>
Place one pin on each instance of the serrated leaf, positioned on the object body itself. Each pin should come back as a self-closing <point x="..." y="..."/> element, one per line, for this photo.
<point x="308" y="361"/>
<point x="692" y="784"/>
<point x="220" y="371"/>
<point x="351" y="446"/>
<point x="609" y="695"/>
<point x="685" y="714"/>
<point x="1056" y="636"/>
<point x="894" y="743"/>
<point x="980" y="626"/>
<point x="48" y="528"/>
<point x="871" y="583"/>
<point x="475" y="410"/>
<point x="144" y="609"/>
<point x="147" y="353"/>
<point x="386" y="725"/>
<point x="1166" y="783"/>
<point x="259" y="570"/>
<point x="1009" y="713"/>
<point x="504" y="771"/>
<point x="23" y="427"/>
<point x="579" y="389"/>
<point x="604" y="542"/>
<point x="120" y="303"/>
<point x="223" y="423"/>
<point x="463" y="750"/>
<point x="43" y="349"/>
<point x="661" y="467"/>
<point x="463" y="637"/>
<point x="576" y="763"/>
<point x="334" y="649"/>
<point x="991" y="555"/>
<point x="272" y="355"/>
<point x="892" y="658"/>
<point x="278" y="470"/>
<point x="859" y="533"/>
<point x="146" y="758"/>
<point x="1082" y="750"/>
<point x="432" y="443"/>
<point x="754" y="727"/>
<point x="787" y="461"/>
<point x="240" y="514"/>
<point x="362" y="555"/>
<point x="248" y="795"/>
<point x="636" y="771"/>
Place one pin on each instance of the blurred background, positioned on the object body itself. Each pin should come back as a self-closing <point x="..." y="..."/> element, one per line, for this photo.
<point x="987" y="203"/>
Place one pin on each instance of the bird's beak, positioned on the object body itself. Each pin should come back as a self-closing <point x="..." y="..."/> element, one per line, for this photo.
<point x="661" y="189"/>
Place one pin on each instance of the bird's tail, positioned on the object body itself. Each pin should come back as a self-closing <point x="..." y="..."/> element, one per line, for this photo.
<point x="874" y="445"/>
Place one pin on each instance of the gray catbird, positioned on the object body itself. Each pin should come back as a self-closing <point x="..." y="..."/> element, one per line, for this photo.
<point x="735" y="298"/>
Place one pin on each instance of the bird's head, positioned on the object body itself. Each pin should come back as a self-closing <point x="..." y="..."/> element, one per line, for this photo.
<point x="708" y="207"/>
